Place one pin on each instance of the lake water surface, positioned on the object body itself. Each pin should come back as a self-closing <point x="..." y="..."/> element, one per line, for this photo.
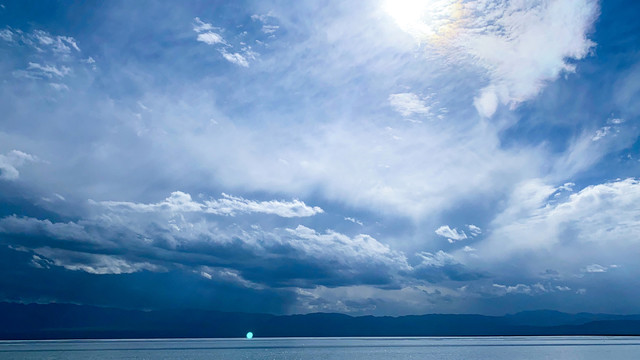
<point x="445" y="348"/>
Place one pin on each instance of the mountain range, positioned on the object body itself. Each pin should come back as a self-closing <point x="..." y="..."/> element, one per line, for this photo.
<point x="69" y="321"/>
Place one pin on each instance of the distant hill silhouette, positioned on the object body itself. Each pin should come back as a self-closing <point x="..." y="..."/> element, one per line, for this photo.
<point x="67" y="321"/>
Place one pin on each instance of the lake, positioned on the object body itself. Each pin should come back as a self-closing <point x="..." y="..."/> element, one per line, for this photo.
<point x="444" y="348"/>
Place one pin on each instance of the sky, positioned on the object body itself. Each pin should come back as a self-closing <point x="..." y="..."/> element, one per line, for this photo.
<point x="379" y="157"/>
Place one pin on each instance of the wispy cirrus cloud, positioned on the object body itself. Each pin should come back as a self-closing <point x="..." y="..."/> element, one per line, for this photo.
<point x="207" y="35"/>
<point x="505" y="38"/>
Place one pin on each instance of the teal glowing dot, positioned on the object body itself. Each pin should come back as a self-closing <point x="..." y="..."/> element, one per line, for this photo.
<point x="249" y="335"/>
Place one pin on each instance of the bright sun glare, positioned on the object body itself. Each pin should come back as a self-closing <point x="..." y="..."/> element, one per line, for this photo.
<point x="424" y="19"/>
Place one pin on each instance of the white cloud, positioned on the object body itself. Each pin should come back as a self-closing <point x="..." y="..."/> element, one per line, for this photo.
<point x="6" y="35"/>
<point x="600" y="133"/>
<point x="261" y="17"/>
<point x="93" y="263"/>
<point x="228" y="205"/>
<point x="516" y="289"/>
<point x="468" y="249"/>
<point x="487" y="102"/>
<point x="595" y="225"/>
<point x="38" y="71"/>
<point x="190" y="240"/>
<point x="361" y="249"/>
<point x="353" y="220"/>
<point x="235" y="58"/>
<point x="270" y="29"/>
<point x="521" y="44"/>
<point x="31" y="226"/>
<point x="451" y="234"/>
<point x="595" y="268"/>
<point x="439" y="259"/>
<point x="10" y="162"/>
<point x="408" y="104"/>
<point x="229" y="276"/>
<point x="474" y="230"/>
<point x="200" y="26"/>
<point x="59" y="44"/>
<point x="210" y="38"/>
<point x="59" y="86"/>
<point x="512" y="38"/>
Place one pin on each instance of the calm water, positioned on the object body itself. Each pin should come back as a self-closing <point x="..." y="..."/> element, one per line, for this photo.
<point x="495" y="348"/>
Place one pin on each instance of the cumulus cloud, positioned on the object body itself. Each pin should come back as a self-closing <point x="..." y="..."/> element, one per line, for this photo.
<point x="228" y="205"/>
<point x="597" y="224"/>
<point x="451" y="234"/>
<point x="408" y="104"/>
<point x="127" y="237"/>
<point x="11" y="161"/>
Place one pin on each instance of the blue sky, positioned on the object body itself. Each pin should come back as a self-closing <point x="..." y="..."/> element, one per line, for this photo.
<point x="382" y="157"/>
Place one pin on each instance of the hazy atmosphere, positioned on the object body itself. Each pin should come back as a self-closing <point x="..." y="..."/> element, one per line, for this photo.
<point x="363" y="157"/>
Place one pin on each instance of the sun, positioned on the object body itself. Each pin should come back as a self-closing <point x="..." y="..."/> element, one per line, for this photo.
<point x="423" y="19"/>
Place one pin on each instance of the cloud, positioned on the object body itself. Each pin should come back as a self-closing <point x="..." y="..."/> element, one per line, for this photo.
<point x="235" y="58"/>
<point x="514" y="34"/>
<point x="6" y="35"/>
<point x="408" y="104"/>
<point x="516" y="289"/>
<point x="201" y="26"/>
<point x="597" y="224"/>
<point x="353" y="220"/>
<point x="59" y="87"/>
<point x="270" y="29"/>
<point x="474" y="230"/>
<point x="228" y="205"/>
<point x="10" y="162"/>
<point x="228" y="275"/>
<point x="210" y="38"/>
<point x="179" y="233"/>
<point x="506" y="38"/>
<point x="34" y="227"/>
<point x="38" y="71"/>
<point x="441" y="266"/>
<point x="98" y="264"/>
<point x="57" y="43"/>
<point x="451" y="234"/>
<point x="205" y="33"/>
<point x="595" y="268"/>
